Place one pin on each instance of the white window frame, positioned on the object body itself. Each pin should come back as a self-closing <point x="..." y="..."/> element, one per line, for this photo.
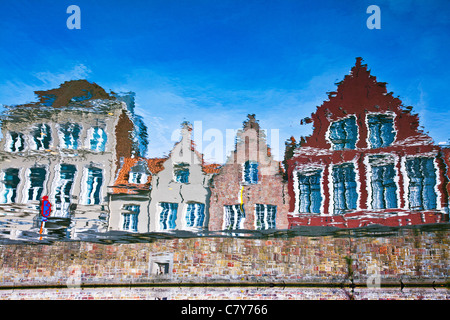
<point x="238" y="223"/>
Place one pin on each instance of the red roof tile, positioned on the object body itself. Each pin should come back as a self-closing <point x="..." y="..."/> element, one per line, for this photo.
<point x="122" y="185"/>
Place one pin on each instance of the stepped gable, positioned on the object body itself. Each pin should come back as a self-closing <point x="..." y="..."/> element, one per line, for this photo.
<point x="358" y="94"/>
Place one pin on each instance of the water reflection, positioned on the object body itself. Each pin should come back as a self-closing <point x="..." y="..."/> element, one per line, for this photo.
<point x="215" y="293"/>
<point x="84" y="149"/>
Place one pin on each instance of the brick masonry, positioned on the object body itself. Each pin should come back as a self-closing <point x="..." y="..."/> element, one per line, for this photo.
<point x="228" y="187"/>
<point x="410" y="255"/>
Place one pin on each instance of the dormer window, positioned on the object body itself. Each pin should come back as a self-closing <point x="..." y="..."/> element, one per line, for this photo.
<point x="181" y="172"/>
<point x="381" y="130"/>
<point x="251" y="172"/>
<point x="139" y="173"/>
<point x="343" y="134"/>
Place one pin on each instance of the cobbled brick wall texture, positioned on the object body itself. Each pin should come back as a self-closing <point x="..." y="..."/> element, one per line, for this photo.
<point x="410" y="256"/>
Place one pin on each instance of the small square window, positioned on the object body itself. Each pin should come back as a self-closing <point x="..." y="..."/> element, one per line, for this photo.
<point x="181" y="172"/>
<point x="251" y="172"/>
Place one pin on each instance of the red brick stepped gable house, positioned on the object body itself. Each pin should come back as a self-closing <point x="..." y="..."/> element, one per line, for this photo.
<point x="249" y="191"/>
<point x="366" y="162"/>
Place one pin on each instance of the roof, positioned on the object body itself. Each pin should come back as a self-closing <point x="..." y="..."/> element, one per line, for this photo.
<point x="121" y="185"/>
<point x="72" y="91"/>
<point x="154" y="165"/>
<point x="211" y="168"/>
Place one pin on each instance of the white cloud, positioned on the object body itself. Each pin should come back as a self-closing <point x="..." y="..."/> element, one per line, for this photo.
<point x="54" y="79"/>
<point x="19" y="92"/>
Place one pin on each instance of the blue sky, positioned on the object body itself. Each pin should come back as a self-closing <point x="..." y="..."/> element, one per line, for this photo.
<point x="217" y="61"/>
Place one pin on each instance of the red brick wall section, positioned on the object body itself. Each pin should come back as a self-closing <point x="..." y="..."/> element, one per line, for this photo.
<point x="358" y="94"/>
<point x="271" y="189"/>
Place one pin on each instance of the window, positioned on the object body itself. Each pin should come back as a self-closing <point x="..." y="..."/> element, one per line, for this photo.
<point x="181" y="172"/>
<point x="16" y="142"/>
<point x="251" y="172"/>
<point x="343" y="133"/>
<point x="168" y="215"/>
<point x="381" y="130"/>
<point x="139" y="173"/>
<point x="97" y="139"/>
<point x="344" y="187"/>
<point x="195" y="215"/>
<point x="130" y="217"/>
<point x="93" y="180"/>
<point x="66" y="177"/>
<point x="308" y="191"/>
<point x="36" y="179"/>
<point x="10" y="179"/>
<point x="234" y="216"/>
<point x="265" y="215"/>
<point x="384" y="189"/>
<point x="422" y="180"/>
<point x="138" y="177"/>
<point x="162" y="268"/>
<point x="42" y="137"/>
<point x="69" y="134"/>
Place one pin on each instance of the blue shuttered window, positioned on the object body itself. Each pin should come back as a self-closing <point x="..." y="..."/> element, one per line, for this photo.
<point x="69" y="135"/>
<point x="309" y="191"/>
<point x="344" y="188"/>
<point x="233" y="216"/>
<point x="384" y="189"/>
<point x="17" y="142"/>
<point x="130" y="217"/>
<point x="422" y="180"/>
<point x="265" y="215"/>
<point x="64" y="189"/>
<point x="94" y="183"/>
<point x="42" y="136"/>
<point x="181" y="172"/>
<point x="10" y="182"/>
<point x="195" y="215"/>
<point x="97" y="139"/>
<point x="168" y="215"/>
<point x="381" y="130"/>
<point x="36" y="178"/>
<point x="251" y="172"/>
